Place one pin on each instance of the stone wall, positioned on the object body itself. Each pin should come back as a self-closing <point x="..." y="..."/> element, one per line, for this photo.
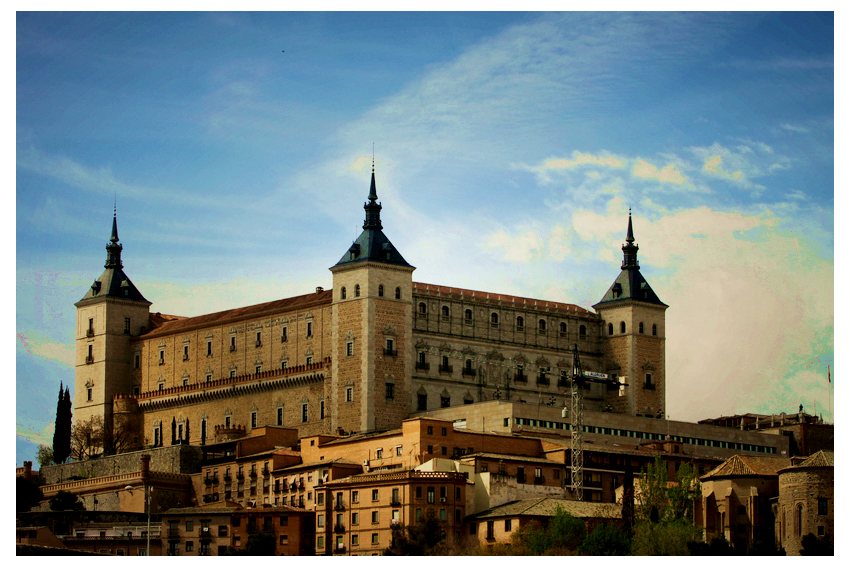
<point x="183" y="459"/>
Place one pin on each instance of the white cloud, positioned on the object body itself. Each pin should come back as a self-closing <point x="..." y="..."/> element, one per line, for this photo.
<point x="794" y="128"/>
<point x="39" y="345"/>
<point x="668" y="174"/>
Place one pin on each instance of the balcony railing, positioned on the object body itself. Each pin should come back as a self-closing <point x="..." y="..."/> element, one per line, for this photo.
<point x="422" y="366"/>
<point x="467" y="371"/>
<point x="538" y="480"/>
<point x="520" y="377"/>
<point x="563" y="383"/>
<point x="89" y="360"/>
<point x="648" y="386"/>
<point x="253" y="474"/>
<point x="339" y="549"/>
<point x="173" y="532"/>
<point x="445" y="369"/>
<point x="227" y="478"/>
<point x="390" y="352"/>
<point x="542" y="381"/>
<point x="339" y="529"/>
<point x="520" y="478"/>
<point x="266" y="471"/>
<point x="395" y="502"/>
<point x="339" y="506"/>
<point x="240" y="476"/>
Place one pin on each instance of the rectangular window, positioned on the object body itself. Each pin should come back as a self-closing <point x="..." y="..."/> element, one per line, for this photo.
<point x="355" y="539"/>
<point x="379" y="454"/>
<point x="280" y="416"/>
<point x="284" y="520"/>
<point x="320" y="542"/>
<point x="89" y="394"/>
<point x="390" y="390"/>
<point x="126" y="325"/>
<point x="303" y="413"/>
<point x="209" y="348"/>
<point x="823" y="506"/>
<point x="309" y="360"/>
<point x="375" y="495"/>
<point x="349" y="348"/>
<point x="258" y="369"/>
<point x="355" y="496"/>
<point x="253" y="419"/>
<point x="284" y="539"/>
<point x="374" y="516"/>
<point x="507" y="525"/>
<point x="430" y="498"/>
<point x="189" y="545"/>
<point x="320" y="520"/>
<point x="190" y="525"/>
<point x="355" y="518"/>
<point x="322" y="409"/>
<point x="185" y="352"/>
<point x="349" y="394"/>
<point x="398" y="451"/>
<point x="419" y="492"/>
<point x="374" y="539"/>
<point x="137" y="361"/>
<point x="283" y="335"/>
<point x="309" y="329"/>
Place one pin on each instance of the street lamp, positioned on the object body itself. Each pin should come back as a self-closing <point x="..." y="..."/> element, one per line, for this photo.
<point x="147" y="492"/>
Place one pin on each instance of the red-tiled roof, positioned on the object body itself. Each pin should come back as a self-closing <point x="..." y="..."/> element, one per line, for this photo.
<point x="175" y="324"/>
<point x="745" y="465"/>
<point x="497" y="298"/>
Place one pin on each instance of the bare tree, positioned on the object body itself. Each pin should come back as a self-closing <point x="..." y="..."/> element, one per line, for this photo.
<point x="87" y="438"/>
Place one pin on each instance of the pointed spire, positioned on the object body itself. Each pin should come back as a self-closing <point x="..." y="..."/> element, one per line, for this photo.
<point x="630" y="249"/>
<point x="373" y="208"/>
<point x="113" y="249"/>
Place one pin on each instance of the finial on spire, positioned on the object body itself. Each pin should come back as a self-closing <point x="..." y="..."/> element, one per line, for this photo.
<point x="630" y="249"/>
<point x="373" y="208"/>
<point x="630" y="237"/>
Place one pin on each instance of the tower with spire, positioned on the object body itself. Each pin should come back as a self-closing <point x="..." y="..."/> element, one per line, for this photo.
<point x="111" y="312"/>
<point x="371" y="326"/>
<point x="632" y="336"/>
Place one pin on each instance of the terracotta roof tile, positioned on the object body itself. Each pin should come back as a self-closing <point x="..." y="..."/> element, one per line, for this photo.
<point x="498" y="298"/>
<point x="174" y="324"/>
<point x="745" y="465"/>
<point x="546" y="506"/>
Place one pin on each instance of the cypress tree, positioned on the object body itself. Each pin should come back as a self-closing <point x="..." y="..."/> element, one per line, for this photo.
<point x="62" y="429"/>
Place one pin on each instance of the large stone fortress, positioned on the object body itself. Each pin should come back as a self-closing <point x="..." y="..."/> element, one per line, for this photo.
<point x="363" y="356"/>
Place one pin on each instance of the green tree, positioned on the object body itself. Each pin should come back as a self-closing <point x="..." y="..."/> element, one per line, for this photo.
<point x="664" y="538"/>
<point x="422" y="538"/>
<point x="27" y="494"/>
<point x="564" y="533"/>
<point x="62" y="427"/>
<point x="44" y="455"/>
<point x="814" y="545"/>
<point x="605" y="540"/>
<point x="718" y="546"/>
<point x="65" y="501"/>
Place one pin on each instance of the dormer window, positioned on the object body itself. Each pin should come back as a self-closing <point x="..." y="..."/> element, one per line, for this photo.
<point x="617" y="290"/>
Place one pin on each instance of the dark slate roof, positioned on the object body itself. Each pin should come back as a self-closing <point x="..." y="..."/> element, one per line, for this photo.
<point x="113" y="283"/>
<point x="630" y="285"/>
<point x="372" y="245"/>
<point x="548" y="507"/>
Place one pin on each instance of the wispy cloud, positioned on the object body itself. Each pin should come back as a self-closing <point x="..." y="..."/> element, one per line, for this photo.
<point x="668" y="174"/>
<point x="39" y="345"/>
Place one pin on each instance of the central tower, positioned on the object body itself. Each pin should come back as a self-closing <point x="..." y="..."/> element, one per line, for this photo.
<point x="372" y="325"/>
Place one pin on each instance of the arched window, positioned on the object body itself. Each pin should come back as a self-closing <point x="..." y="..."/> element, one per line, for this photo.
<point x="640" y="327"/>
<point x="520" y="322"/>
<point x="467" y="314"/>
<point x="610" y="328"/>
<point x="357" y="290"/>
<point x="445" y="311"/>
<point x="342" y="293"/>
<point x="582" y="332"/>
<point x="381" y="290"/>
<point x="494" y="318"/>
<point x="654" y="330"/>
<point x="422" y="309"/>
<point x="622" y="326"/>
<point x="563" y="328"/>
<point x="398" y="293"/>
<point x="541" y="325"/>
<point x="798" y="521"/>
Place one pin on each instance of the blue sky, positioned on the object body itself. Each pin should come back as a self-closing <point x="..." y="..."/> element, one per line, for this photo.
<point x="509" y="148"/>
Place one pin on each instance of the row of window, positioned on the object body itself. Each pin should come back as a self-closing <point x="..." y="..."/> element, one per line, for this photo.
<point x="209" y="352"/>
<point x="640" y="328"/>
<point x="343" y="293"/>
<point x="494" y="320"/>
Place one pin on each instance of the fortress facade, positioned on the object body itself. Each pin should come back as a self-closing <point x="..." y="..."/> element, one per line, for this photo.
<point x="372" y="351"/>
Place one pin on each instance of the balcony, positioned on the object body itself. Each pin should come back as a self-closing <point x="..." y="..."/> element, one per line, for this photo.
<point x="284" y="487"/>
<point x="563" y="382"/>
<point x="215" y="479"/>
<point x="232" y="348"/>
<point x="339" y="529"/>
<point x="520" y="478"/>
<point x="258" y="344"/>
<point x="173" y="552"/>
<point x="173" y="532"/>
<point x="266" y="471"/>
<point x="89" y="360"/>
<point x="339" y="506"/>
<point x="541" y="331"/>
<point x="423" y="366"/>
<point x="208" y="481"/>
<point x="445" y="369"/>
<point x="227" y="494"/>
<point x="185" y="357"/>
<point x="301" y="485"/>
<point x="205" y="533"/>
<point x="339" y="549"/>
<point x="253" y="474"/>
<point x="277" y="489"/>
<point x="467" y="371"/>
<point x="207" y="498"/>
<point x="390" y="352"/>
<point x="648" y="386"/>
<point x="520" y="377"/>
<point x="542" y="381"/>
<point x="395" y="502"/>
<point x="240" y="476"/>
<point x="204" y="551"/>
<point x="227" y="478"/>
<point x="539" y="480"/>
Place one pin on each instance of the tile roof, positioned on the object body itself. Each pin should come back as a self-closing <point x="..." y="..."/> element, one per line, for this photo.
<point x="200" y="510"/>
<point x="339" y="461"/>
<point x="746" y="465"/>
<point x="175" y="325"/>
<point x="819" y="459"/>
<point x="505" y="457"/>
<point x="547" y="506"/>
<point x="498" y="298"/>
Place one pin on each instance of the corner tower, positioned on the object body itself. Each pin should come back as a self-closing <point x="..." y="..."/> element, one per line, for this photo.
<point x="111" y="312"/>
<point x="372" y="326"/>
<point x="633" y="337"/>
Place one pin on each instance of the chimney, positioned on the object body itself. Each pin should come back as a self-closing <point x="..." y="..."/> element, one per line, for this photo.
<point x="146" y="466"/>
